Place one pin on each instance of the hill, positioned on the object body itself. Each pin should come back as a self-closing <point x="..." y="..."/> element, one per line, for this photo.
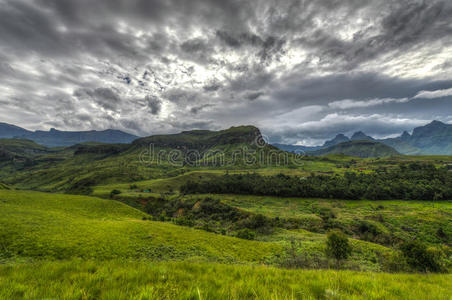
<point x="363" y="149"/>
<point x="57" y="138"/>
<point x="17" y="149"/>
<point x="4" y="186"/>
<point x="38" y="225"/>
<point x="80" y="166"/>
<point x="204" y="139"/>
<point x="92" y="246"/>
<point x="10" y="131"/>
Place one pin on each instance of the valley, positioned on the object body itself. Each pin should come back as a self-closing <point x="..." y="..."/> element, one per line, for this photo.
<point x="91" y="207"/>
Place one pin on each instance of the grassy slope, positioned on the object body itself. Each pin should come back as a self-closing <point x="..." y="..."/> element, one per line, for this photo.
<point x="4" y="186"/>
<point x="139" y="280"/>
<point x="53" y="226"/>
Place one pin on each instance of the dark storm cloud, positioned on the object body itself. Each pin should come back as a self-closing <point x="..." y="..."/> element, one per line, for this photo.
<point x="104" y="97"/>
<point x="254" y="95"/>
<point x="154" y="104"/>
<point x="407" y="24"/>
<point x="212" y="86"/>
<point x="299" y="88"/>
<point x="196" y="109"/>
<point x="154" y="65"/>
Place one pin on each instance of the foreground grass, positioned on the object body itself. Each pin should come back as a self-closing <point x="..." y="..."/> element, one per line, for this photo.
<point x="139" y="280"/>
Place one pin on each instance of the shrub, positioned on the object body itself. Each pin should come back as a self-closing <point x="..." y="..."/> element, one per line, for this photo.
<point x="441" y="233"/>
<point x="114" y="192"/>
<point x="395" y="262"/>
<point x="246" y="234"/>
<point x="257" y="221"/>
<point x="184" y="221"/>
<point x="337" y="245"/>
<point x="421" y="258"/>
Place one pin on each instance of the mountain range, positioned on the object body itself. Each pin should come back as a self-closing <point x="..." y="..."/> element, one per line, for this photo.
<point x="57" y="138"/>
<point x="434" y="138"/>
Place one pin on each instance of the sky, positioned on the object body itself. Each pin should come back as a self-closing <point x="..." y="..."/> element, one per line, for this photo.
<point x="302" y="71"/>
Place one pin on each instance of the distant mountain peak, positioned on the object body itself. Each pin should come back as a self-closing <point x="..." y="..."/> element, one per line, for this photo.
<point x="405" y="135"/>
<point x="361" y="136"/>
<point x="340" y="138"/>
<point x="436" y="123"/>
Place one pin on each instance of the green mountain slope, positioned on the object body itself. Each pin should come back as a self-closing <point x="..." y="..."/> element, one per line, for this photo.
<point x="39" y="225"/>
<point x="19" y="148"/>
<point x="4" y="186"/>
<point x="53" y="226"/>
<point x="363" y="149"/>
<point x="203" y="139"/>
<point x="77" y="168"/>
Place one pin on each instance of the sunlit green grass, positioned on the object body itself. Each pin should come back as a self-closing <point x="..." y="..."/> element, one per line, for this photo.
<point x="38" y="225"/>
<point x="140" y="280"/>
<point x="52" y="226"/>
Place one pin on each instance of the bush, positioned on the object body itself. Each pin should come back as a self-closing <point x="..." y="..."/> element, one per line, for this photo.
<point x="395" y="262"/>
<point x="257" y="221"/>
<point x="337" y="245"/>
<point x="441" y="233"/>
<point x="421" y="258"/>
<point x="246" y="234"/>
<point x="114" y="192"/>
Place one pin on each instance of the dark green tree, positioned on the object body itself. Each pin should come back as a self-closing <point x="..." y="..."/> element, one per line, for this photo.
<point x="337" y="245"/>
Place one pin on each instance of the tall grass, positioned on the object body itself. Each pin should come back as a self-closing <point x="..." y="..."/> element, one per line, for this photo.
<point x="140" y="280"/>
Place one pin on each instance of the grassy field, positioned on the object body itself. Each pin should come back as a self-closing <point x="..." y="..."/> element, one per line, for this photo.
<point x="39" y="225"/>
<point x="141" y="280"/>
<point x="53" y="226"/>
<point x="95" y="247"/>
<point x="404" y="219"/>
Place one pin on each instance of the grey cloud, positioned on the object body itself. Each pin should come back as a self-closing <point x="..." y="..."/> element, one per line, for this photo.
<point x="196" y="109"/>
<point x="212" y="86"/>
<point x="105" y="97"/>
<point x="154" y="104"/>
<point x="206" y="58"/>
<point x="254" y="95"/>
<point x="376" y="125"/>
